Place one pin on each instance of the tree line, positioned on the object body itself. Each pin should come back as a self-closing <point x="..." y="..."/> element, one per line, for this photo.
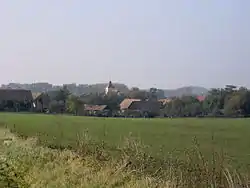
<point x="230" y="101"/>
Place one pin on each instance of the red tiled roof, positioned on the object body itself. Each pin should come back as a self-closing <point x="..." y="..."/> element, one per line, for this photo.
<point x="200" y="98"/>
<point x="94" y="107"/>
<point x="125" y="104"/>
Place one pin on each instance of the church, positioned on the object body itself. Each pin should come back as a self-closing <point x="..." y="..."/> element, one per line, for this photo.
<point x="110" y="89"/>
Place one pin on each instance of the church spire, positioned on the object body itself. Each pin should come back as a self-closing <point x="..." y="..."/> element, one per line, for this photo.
<point x="110" y="85"/>
<point x="110" y="88"/>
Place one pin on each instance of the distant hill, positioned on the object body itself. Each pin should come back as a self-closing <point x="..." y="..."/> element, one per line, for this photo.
<point x="189" y="90"/>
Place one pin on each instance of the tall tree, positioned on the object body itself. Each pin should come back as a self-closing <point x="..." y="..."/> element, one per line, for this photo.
<point x="138" y="94"/>
<point x="74" y="104"/>
<point x="62" y="96"/>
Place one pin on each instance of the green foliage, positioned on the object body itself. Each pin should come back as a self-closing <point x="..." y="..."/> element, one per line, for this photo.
<point x="186" y="106"/>
<point x="74" y="104"/>
<point x="112" y="101"/>
<point x="58" y="100"/>
<point x="62" y="94"/>
<point x="138" y="94"/>
<point x="228" y="101"/>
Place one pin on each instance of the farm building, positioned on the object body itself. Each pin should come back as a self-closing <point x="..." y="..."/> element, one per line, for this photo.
<point x="15" y="100"/>
<point x="41" y="101"/>
<point x="137" y="107"/>
<point x="164" y="102"/>
<point x="97" y="110"/>
<point x="48" y="101"/>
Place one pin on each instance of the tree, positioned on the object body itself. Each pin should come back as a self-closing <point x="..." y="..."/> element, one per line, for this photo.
<point x="174" y="108"/>
<point x="113" y="102"/>
<point x="152" y="95"/>
<point x="94" y="98"/>
<point x="74" y="104"/>
<point x="215" y="101"/>
<point x="191" y="106"/>
<point x="138" y="94"/>
<point x="62" y="96"/>
<point x="233" y="106"/>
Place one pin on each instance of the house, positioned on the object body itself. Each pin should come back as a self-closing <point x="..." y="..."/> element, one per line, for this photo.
<point x="141" y="108"/>
<point x="35" y="95"/>
<point x="97" y="110"/>
<point x="164" y="102"/>
<point x="41" y="101"/>
<point x="15" y="100"/>
<point x="127" y="103"/>
<point x="47" y="101"/>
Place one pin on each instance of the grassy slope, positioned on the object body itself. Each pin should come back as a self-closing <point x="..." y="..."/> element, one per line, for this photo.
<point x="25" y="164"/>
<point x="231" y="135"/>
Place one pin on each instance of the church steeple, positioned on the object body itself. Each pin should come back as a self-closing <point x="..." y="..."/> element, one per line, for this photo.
<point x="110" y="88"/>
<point x="110" y="85"/>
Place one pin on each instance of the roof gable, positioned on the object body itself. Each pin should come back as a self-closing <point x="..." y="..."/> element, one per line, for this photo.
<point x="94" y="107"/>
<point x="126" y="103"/>
<point x="35" y="95"/>
<point x="165" y="101"/>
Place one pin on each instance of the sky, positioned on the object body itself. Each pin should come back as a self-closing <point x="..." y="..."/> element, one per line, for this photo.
<point x="144" y="43"/>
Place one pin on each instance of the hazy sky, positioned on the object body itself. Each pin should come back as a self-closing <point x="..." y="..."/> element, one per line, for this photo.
<point x="160" y="43"/>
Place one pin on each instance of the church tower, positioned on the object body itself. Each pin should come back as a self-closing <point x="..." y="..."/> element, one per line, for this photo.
<point x="110" y="88"/>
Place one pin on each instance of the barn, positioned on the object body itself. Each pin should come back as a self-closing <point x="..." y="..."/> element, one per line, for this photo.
<point x="15" y="100"/>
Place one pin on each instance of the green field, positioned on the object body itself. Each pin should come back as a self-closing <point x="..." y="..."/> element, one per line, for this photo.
<point x="230" y="136"/>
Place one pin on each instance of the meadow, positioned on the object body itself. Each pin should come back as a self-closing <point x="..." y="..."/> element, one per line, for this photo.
<point x="229" y="137"/>
<point x="45" y="150"/>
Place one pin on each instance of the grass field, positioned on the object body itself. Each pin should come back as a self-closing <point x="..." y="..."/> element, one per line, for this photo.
<point x="228" y="136"/>
<point x="23" y="163"/>
<point x="179" y="152"/>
